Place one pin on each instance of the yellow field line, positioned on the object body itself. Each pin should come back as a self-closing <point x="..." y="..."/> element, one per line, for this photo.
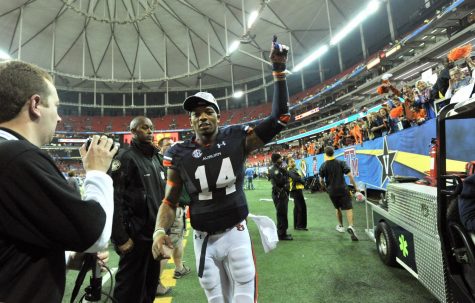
<point x="167" y="276"/>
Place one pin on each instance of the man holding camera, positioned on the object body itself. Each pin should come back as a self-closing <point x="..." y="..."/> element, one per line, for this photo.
<point x="139" y="183"/>
<point x="41" y="217"/>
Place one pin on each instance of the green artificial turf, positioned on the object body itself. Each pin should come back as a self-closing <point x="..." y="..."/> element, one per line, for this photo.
<point x="319" y="265"/>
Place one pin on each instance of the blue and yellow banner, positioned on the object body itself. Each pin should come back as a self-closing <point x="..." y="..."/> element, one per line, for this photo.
<point x="405" y="153"/>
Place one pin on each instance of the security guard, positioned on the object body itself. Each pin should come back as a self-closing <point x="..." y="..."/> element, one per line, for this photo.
<point x="139" y="187"/>
<point x="280" y="195"/>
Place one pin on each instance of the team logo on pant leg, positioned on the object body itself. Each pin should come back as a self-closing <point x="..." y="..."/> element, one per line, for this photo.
<point x="240" y="227"/>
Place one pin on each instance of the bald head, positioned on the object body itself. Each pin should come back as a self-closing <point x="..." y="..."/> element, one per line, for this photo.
<point x="142" y="129"/>
<point x="137" y="121"/>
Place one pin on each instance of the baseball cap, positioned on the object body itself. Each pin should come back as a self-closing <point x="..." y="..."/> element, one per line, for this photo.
<point x="200" y="99"/>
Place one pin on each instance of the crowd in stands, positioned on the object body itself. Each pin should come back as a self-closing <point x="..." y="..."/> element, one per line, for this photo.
<point x="402" y="107"/>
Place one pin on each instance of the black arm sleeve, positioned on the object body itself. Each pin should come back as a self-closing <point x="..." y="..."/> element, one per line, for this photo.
<point x="39" y="208"/>
<point x="280" y="116"/>
<point x="121" y="179"/>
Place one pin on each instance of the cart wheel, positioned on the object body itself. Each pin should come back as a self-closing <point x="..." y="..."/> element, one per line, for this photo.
<point x="385" y="244"/>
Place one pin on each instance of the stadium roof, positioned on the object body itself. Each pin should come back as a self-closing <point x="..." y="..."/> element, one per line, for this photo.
<point x="149" y="41"/>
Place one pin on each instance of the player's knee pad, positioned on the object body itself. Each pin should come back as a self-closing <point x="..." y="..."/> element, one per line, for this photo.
<point x="210" y="279"/>
<point x="241" y="264"/>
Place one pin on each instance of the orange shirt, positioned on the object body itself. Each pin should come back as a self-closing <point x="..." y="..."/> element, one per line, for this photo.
<point x="396" y="112"/>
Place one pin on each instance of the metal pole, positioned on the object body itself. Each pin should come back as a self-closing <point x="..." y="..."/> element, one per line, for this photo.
<point x="188" y="50"/>
<point x="79" y="103"/>
<point x="232" y="79"/>
<point x="53" y="47"/>
<point x="291" y="49"/>
<point x="102" y="105"/>
<point x="225" y="29"/>
<point x="145" y="104"/>
<point x="21" y="34"/>
<point x="363" y="42"/>
<point x="264" y="87"/>
<point x="227" y="99"/>
<point x="340" y="60"/>
<point x="165" y="53"/>
<point x="209" y="45"/>
<point x="166" y="98"/>
<point x="246" y="97"/>
<point x="320" y="69"/>
<point x="84" y="52"/>
<point x="244" y="26"/>
<point x="123" y="105"/>
<point x="95" y="93"/>
<point x="112" y="58"/>
<point x="392" y="30"/>
<point x="302" y="80"/>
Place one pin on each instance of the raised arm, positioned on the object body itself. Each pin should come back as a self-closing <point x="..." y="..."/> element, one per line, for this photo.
<point x="166" y="214"/>
<point x="280" y="116"/>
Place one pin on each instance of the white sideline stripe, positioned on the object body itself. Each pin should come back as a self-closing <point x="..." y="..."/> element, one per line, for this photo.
<point x="107" y="276"/>
<point x="270" y="200"/>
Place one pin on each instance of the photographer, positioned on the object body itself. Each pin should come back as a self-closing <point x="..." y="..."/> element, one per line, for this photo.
<point x="41" y="216"/>
<point x="280" y="195"/>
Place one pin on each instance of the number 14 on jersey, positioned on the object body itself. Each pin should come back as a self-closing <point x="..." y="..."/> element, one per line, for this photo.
<point x="226" y="179"/>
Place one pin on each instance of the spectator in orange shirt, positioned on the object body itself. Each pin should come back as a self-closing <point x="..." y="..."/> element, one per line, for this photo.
<point x="355" y="131"/>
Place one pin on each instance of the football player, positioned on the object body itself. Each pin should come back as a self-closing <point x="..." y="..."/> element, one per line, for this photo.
<point x="211" y="167"/>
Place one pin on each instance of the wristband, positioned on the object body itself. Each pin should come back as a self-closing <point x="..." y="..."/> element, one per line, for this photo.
<point x="157" y="232"/>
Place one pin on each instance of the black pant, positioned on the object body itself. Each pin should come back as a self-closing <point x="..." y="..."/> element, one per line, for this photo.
<point x="281" y="200"/>
<point x="138" y="275"/>
<point x="300" y="209"/>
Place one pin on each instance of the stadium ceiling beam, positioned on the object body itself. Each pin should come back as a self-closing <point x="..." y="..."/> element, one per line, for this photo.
<point x="14" y="31"/>
<point x="159" y="25"/>
<point x="287" y="28"/>
<point x="339" y="10"/>
<point x="137" y="29"/>
<point x="174" y="15"/>
<point x="216" y="34"/>
<point x="310" y="30"/>
<point x="18" y="7"/>
<point x="247" y="67"/>
<point x="79" y="83"/>
<point x="179" y="82"/>
<point x="215" y="77"/>
<point x="194" y="49"/>
<point x="263" y="19"/>
<point x="86" y="23"/>
<point x="59" y="14"/>
<point x="189" y="5"/>
<point x="123" y="57"/>
<point x="86" y="41"/>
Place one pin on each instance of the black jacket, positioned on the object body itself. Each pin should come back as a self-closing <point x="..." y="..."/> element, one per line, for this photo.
<point x="139" y="187"/>
<point x="279" y="178"/>
<point x="40" y="218"/>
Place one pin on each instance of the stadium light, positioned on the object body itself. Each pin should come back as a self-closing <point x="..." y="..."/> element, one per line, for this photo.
<point x="238" y="94"/>
<point x="234" y="46"/>
<point x="252" y="18"/>
<point x="4" y="55"/>
<point x="356" y="21"/>
<point x="314" y="56"/>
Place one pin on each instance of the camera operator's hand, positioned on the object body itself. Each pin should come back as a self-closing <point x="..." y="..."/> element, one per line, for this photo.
<point x="99" y="155"/>
<point x="103" y="259"/>
<point x="126" y="247"/>
<point x="162" y="247"/>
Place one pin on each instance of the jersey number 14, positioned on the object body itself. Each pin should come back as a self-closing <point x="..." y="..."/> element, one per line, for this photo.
<point x="226" y="179"/>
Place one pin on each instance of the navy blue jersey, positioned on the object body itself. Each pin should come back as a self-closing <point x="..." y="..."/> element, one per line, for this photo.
<point x="213" y="177"/>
